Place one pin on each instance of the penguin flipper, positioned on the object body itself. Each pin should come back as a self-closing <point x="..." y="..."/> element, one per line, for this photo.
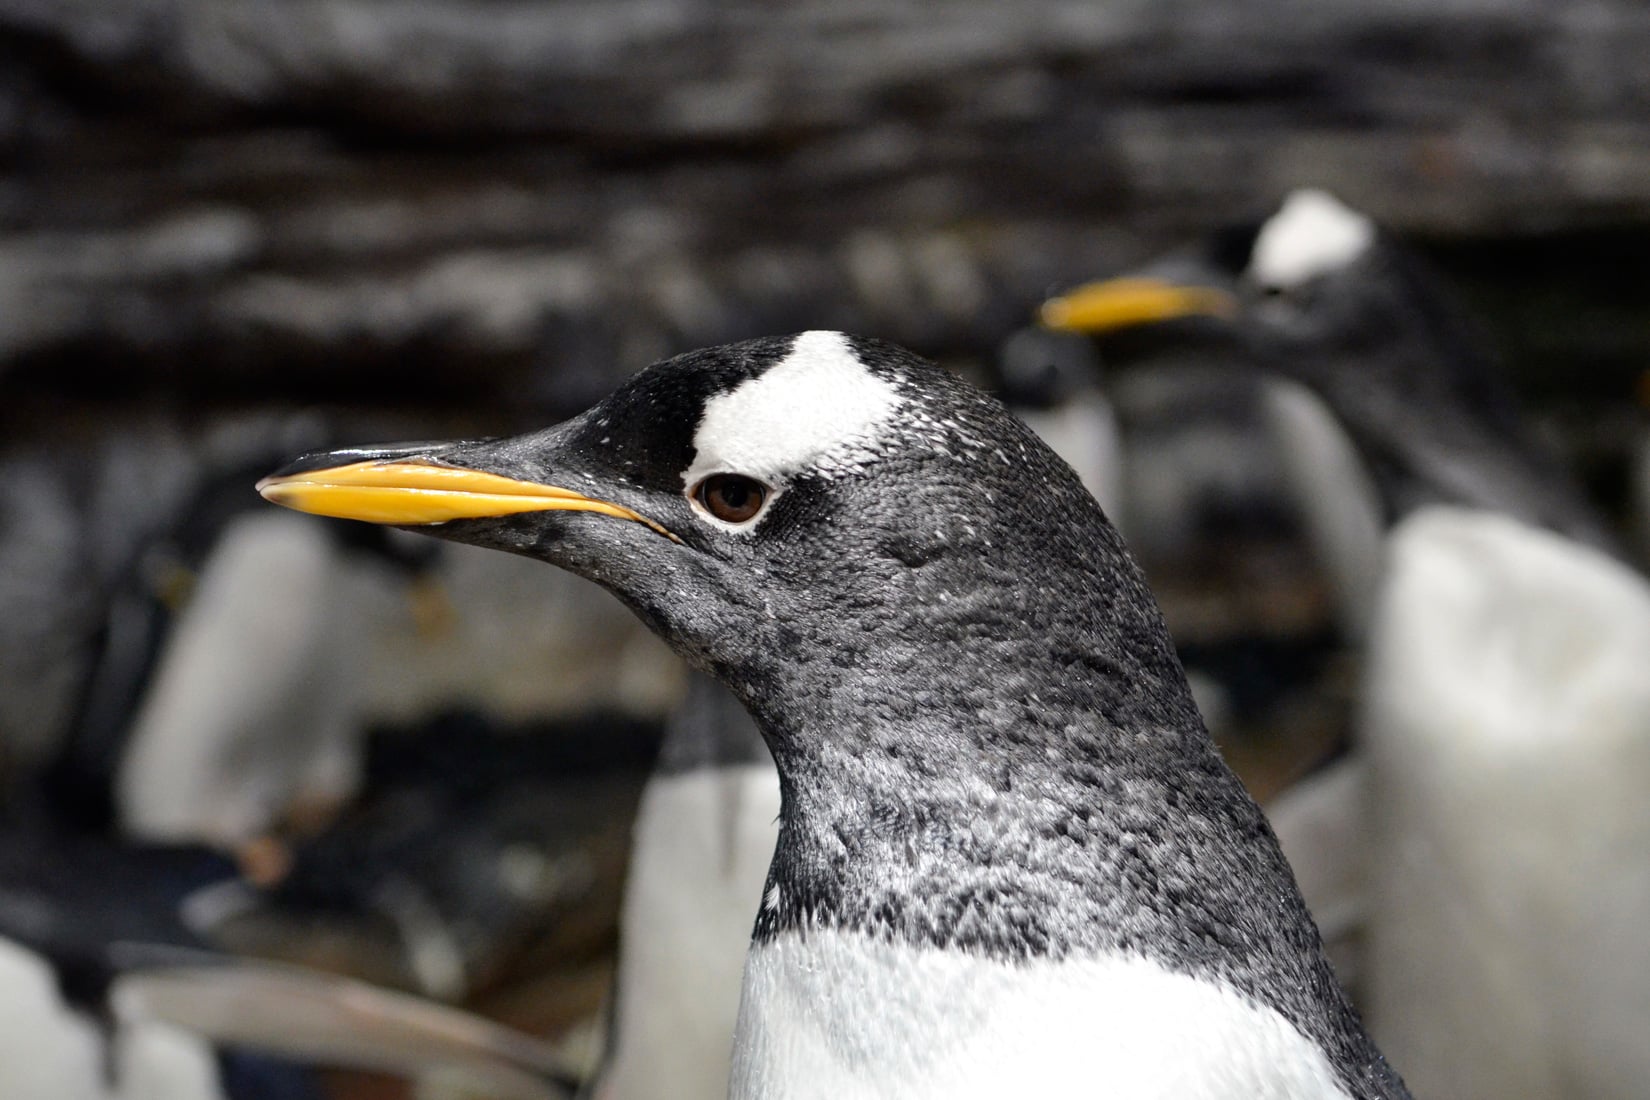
<point x="337" y="1021"/>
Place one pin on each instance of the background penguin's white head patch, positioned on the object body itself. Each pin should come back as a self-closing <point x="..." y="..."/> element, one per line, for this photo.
<point x="1313" y="232"/>
<point x="818" y="407"/>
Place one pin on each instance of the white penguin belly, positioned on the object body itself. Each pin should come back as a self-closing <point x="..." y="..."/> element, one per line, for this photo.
<point x="703" y="844"/>
<point x="833" y="1015"/>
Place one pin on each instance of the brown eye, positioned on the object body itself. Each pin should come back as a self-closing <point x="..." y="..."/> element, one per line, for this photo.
<point x="731" y="498"/>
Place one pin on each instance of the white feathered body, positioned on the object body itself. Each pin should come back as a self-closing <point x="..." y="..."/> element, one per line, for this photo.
<point x="829" y="1015"/>
<point x="703" y="842"/>
<point x="1508" y="738"/>
<point x="252" y="704"/>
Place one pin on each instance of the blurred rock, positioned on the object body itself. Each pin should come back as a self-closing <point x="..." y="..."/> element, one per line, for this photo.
<point x="350" y="197"/>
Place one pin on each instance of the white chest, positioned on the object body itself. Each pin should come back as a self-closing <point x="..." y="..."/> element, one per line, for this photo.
<point x="1507" y="730"/>
<point x="836" y="1015"/>
<point x="703" y="844"/>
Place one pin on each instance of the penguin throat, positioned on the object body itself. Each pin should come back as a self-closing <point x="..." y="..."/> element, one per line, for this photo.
<point x="994" y="823"/>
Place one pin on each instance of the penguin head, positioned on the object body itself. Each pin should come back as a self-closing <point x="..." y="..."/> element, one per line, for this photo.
<point x="789" y="499"/>
<point x="1285" y="276"/>
<point x="1323" y="282"/>
<point x="1316" y="291"/>
<point x="926" y="614"/>
<point x="1294" y="283"/>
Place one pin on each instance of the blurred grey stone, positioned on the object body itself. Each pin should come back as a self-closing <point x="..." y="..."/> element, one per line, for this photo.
<point x="230" y="194"/>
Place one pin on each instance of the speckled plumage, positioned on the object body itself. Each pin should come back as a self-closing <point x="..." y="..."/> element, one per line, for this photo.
<point x="985" y="740"/>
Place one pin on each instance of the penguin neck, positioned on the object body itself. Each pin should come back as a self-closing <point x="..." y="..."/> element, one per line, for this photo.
<point x="1056" y="800"/>
<point x="1013" y="797"/>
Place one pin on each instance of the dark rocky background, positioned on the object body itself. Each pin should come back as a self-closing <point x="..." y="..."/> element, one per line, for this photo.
<point x="499" y="205"/>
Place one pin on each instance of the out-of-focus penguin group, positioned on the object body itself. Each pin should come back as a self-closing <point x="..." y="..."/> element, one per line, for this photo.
<point x="839" y="724"/>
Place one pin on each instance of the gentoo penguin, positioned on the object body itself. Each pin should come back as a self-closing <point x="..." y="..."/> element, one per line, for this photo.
<point x="703" y="839"/>
<point x="1010" y="859"/>
<point x="1506" y="719"/>
<point x="251" y="706"/>
<point x="1321" y="287"/>
<point x="1175" y="310"/>
<point x="224" y="686"/>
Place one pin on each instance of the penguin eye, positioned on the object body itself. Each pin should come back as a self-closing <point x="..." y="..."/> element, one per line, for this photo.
<point x="731" y="498"/>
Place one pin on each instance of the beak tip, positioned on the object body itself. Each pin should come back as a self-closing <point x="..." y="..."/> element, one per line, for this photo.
<point x="276" y="490"/>
<point x="1054" y="314"/>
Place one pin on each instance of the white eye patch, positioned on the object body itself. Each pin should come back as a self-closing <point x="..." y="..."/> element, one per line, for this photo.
<point x="818" y="408"/>
<point x="1312" y="233"/>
